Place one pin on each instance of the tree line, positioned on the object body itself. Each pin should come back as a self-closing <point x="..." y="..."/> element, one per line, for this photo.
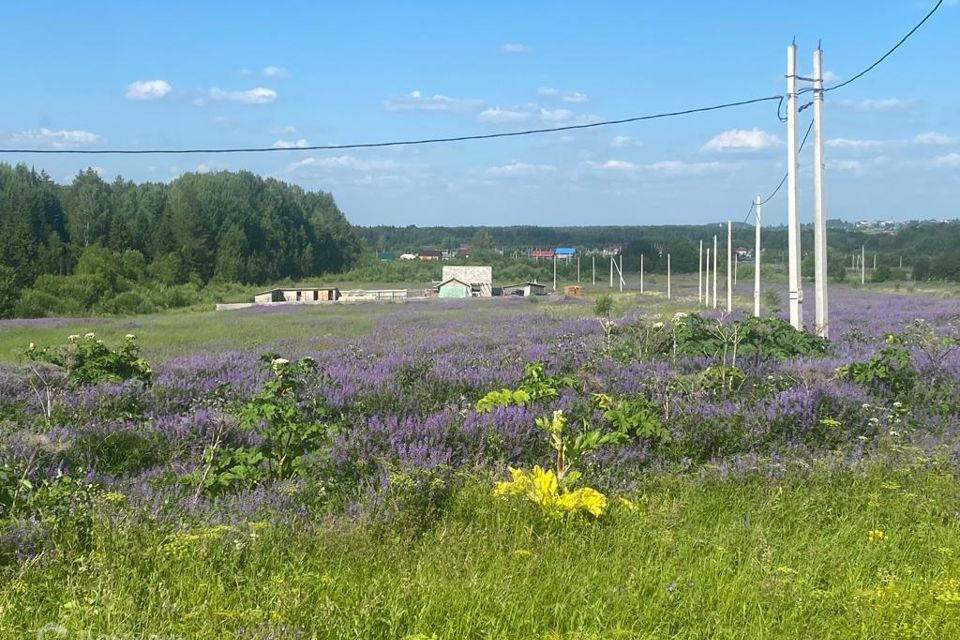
<point x="924" y="249"/>
<point x="75" y="248"/>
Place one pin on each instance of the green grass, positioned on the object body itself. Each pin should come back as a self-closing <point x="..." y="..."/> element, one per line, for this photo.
<point x="698" y="558"/>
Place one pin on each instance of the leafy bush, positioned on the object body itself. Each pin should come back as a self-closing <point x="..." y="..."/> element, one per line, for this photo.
<point x="603" y="305"/>
<point x="535" y="385"/>
<point x="889" y="368"/>
<point x="87" y="360"/>
<point x="286" y="429"/>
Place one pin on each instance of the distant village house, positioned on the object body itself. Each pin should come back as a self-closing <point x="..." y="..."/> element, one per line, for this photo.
<point x="479" y="279"/>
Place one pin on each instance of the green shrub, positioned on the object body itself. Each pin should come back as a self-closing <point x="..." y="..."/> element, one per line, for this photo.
<point x="87" y="360"/>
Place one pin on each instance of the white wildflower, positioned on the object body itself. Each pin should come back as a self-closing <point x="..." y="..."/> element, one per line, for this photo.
<point x="130" y="336"/>
<point x="90" y="335"/>
<point x="73" y="338"/>
<point x="658" y="325"/>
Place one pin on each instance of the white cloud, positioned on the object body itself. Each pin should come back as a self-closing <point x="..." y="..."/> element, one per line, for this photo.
<point x="244" y="72"/>
<point x="62" y="139"/>
<point x="566" y="96"/>
<point x="613" y="165"/>
<point x="574" y="96"/>
<point x="621" y="142"/>
<point x="203" y="167"/>
<point x="880" y="104"/>
<point x="496" y="114"/>
<point x="291" y="144"/>
<point x="844" y="165"/>
<point x="259" y="95"/>
<point x="933" y="137"/>
<point x="276" y="72"/>
<point x="416" y="101"/>
<point x="829" y="77"/>
<point x="286" y="129"/>
<point x="663" y="167"/>
<point x="742" y="140"/>
<point x="678" y="168"/>
<point x="515" y="47"/>
<point x="951" y="160"/>
<point x="341" y="162"/>
<point x="555" y="115"/>
<point x="148" y="90"/>
<point x="523" y="113"/>
<point x="518" y="169"/>
<point x="857" y="145"/>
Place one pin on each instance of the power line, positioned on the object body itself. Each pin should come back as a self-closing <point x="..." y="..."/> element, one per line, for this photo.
<point x="782" y="180"/>
<point x="400" y="143"/>
<point x="883" y="57"/>
<point x="488" y="136"/>
<point x="887" y="54"/>
<point x="834" y="88"/>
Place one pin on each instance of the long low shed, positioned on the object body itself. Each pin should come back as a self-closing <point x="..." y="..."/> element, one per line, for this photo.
<point x="299" y="294"/>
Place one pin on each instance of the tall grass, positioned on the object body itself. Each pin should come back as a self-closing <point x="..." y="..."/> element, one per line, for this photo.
<point x="699" y="557"/>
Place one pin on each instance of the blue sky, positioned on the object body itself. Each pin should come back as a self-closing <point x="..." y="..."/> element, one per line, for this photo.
<point x="194" y="74"/>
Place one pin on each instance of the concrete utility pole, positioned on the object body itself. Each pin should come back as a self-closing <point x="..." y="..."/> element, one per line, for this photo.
<point x="793" y="221"/>
<point x="756" y="259"/>
<point x="706" y="288"/>
<point x="578" y="268"/>
<point x="863" y="264"/>
<point x="700" y="275"/>
<point x="611" y="272"/>
<point x="714" y="272"/>
<point x="668" y="276"/>
<point x="821" y="319"/>
<point x="593" y="261"/>
<point x="554" y="272"/>
<point x="729" y="266"/>
<point x="641" y="273"/>
<point x="874" y="262"/>
<point x="620" y="271"/>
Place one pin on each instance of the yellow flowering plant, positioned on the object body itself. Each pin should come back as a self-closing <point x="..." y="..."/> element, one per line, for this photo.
<point x="540" y="486"/>
<point x="551" y="489"/>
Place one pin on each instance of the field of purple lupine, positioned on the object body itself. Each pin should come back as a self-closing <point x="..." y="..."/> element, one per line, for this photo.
<point x="381" y="425"/>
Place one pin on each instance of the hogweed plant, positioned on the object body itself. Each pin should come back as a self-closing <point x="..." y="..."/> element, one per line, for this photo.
<point x="535" y="385"/>
<point x="551" y="489"/>
<point x="83" y="360"/>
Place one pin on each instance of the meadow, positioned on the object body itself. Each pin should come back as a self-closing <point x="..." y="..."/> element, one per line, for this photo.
<point x="585" y="468"/>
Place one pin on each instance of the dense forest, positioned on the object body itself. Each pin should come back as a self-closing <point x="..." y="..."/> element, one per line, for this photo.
<point x="93" y="246"/>
<point x="125" y="247"/>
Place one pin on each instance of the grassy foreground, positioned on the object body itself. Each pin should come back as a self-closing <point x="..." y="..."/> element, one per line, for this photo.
<point x="697" y="558"/>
